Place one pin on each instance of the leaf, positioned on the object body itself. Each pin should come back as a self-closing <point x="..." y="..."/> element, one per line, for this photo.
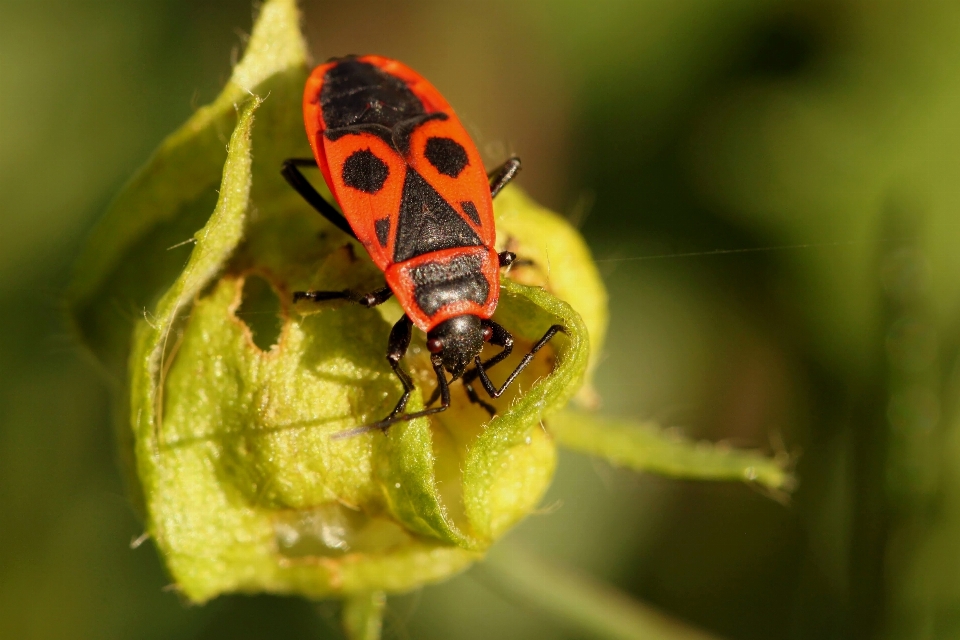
<point x="562" y="264"/>
<point x="647" y="447"/>
<point x="124" y="267"/>
<point x="139" y="247"/>
<point x="513" y="452"/>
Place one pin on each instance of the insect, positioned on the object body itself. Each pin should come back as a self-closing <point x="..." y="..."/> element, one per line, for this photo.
<point x="414" y="193"/>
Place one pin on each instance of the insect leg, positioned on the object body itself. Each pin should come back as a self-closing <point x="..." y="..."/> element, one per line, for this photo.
<point x="474" y="398"/>
<point x="311" y="195"/>
<point x="485" y="381"/>
<point x="396" y="349"/>
<point x="371" y="299"/>
<point x="442" y="385"/>
<point x="502" y="176"/>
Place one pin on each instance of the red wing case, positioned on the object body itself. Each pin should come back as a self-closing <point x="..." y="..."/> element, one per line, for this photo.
<point x="405" y="172"/>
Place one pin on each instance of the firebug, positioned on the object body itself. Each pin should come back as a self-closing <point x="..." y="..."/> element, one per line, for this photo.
<point x="414" y="193"/>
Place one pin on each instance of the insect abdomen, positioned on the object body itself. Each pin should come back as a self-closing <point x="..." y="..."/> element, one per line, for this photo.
<point x="439" y="284"/>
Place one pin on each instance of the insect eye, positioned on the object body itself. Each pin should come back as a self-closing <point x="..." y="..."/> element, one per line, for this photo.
<point x="487" y="333"/>
<point x="434" y="345"/>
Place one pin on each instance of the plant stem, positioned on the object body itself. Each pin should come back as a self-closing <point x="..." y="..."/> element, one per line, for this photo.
<point x="595" y="608"/>
<point x="362" y="615"/>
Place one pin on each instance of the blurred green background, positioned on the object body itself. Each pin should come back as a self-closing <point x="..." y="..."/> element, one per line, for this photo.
<point x="809" y="152"/>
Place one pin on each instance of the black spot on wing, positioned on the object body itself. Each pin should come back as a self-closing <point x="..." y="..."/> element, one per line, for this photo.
<point x="446" y="155"/>
<point x="437" y="285"/>
<point x="382" y="227"/>
<point x="364" y="171"/>
<point x="471" y="210"/>
<point x="428" y="222"/>
<point x="357" y="93"/>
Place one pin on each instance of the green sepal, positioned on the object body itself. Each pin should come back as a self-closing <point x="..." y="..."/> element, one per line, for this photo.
<point x="561" y="263"/>
<point x="650" y="448"/>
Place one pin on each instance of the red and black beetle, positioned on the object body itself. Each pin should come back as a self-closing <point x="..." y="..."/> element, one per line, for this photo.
<point x="413" y="191"/>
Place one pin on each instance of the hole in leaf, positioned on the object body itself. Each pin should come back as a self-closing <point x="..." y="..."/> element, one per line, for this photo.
<point x="260" y="311"/>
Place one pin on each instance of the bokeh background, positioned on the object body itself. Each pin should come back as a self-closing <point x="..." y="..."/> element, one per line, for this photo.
<point x="807" y="153"/>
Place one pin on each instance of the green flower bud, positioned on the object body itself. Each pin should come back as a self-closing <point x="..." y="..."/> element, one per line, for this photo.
<point x="231" y="434"/>
<point x="232" y="444"/>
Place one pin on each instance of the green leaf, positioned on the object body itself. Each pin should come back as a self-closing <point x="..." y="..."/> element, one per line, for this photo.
<point x="648" y="447"/>
<point x="140" y="245"/>
<point x="124" y="266"/>
<point x="513" y="452"/>
<point x="562" y="264"/>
